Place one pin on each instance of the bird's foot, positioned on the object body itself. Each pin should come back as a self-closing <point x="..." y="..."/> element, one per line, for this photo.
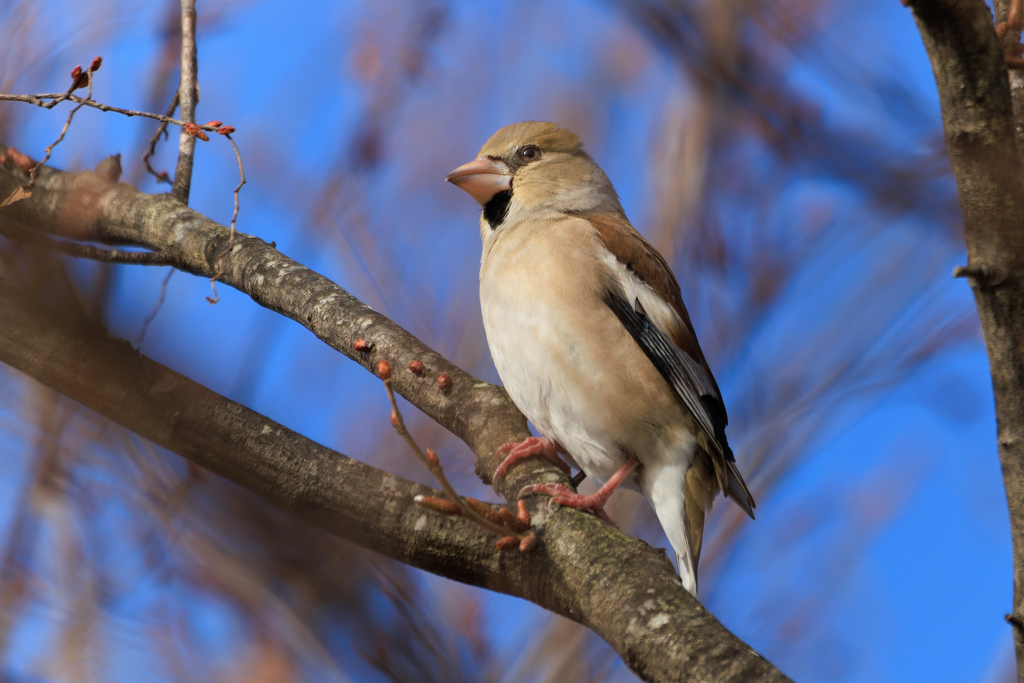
<point x="527" y="448"/>
<point x="595" y="502"/>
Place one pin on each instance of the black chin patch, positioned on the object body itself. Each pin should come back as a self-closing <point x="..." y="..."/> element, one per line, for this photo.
<point x="496" y="209"/>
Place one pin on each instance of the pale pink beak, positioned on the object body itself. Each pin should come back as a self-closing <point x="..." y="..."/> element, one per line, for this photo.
<point x="482" y="178"/>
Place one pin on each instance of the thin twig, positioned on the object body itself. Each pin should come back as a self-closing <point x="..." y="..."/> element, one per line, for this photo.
<point x="187" y="97"/>
<point x="57" y="99"/>
<point x="160" y="130"/>
<point x="63" y="132"/>
<point x="142" y="258"/>
<point x="37" y="100"/>
<point x="435" y="465"/>
<point x="156" y="309"/>
<point x="234" y="219"/>
<point x="77" y="75"/>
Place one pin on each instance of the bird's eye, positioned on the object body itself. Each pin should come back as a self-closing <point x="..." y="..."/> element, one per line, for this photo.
<point x="529" y="153"/>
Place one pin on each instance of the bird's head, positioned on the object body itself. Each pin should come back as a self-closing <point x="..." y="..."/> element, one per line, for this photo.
<point x="532" y="168"/>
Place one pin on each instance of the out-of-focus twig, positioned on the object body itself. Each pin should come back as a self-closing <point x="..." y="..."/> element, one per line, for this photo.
<point x="93" y="68"/>
<point x="188" y="90"/>
<point x="151" y="316"/>
<point x="160" y="130"/>
<point x="142" y="258"/>
<point x="234" y="219"/>
<point x="38" y="100"/>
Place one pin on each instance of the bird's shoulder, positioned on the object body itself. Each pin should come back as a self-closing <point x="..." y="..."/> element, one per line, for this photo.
<point x="645" y="263"/>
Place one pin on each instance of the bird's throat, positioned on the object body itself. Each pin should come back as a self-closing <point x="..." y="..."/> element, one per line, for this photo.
<point x="496" y="209"/>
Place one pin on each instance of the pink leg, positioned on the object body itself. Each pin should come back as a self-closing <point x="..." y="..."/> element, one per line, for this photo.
<point x="527" y="448"/>
<point x="595" y="502"/>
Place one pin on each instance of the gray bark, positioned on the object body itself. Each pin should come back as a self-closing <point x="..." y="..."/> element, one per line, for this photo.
<point x="982" y="141"/>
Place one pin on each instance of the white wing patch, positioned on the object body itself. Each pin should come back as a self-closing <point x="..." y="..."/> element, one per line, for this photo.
<point x="664" y="317"/>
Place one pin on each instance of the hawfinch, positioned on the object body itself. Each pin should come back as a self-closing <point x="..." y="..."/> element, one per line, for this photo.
<point x="588" y="331"/>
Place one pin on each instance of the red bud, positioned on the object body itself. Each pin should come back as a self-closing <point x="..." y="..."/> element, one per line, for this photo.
<point x="362" y="345"/>
<point x="511" y="521"/>
<point x="524" y="514"/>
<point x="95" y="66"/>
<point x="213" y="124"/>
<point x="78" y="79"/>
<point x="195" y="131"/>
<point x="384" y="369"/>
<point x="484" y="510"/>
<point x="439" y="505"/>
<point x="416" y="367"/>
<point x="444" y="382"/>
<point x="226" y="130"/>
<point x="507" y="543"/>
<point x="528" y="543"/>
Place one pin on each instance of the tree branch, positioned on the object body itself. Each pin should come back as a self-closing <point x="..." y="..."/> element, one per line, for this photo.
<point x="583" y="569"/>
<point x="87" y="207"/>
<point x="188" y="96"/>
<point x="978" y="119"/>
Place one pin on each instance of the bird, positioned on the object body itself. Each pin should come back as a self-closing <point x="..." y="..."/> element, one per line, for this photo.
<point x="588" y="331"/>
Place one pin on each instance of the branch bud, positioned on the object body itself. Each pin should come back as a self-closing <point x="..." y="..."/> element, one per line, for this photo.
<point x="524" y="514"/>
<point x="507" y="543"/>
<point x="484" y="510"/>
<point x="78" y="78"/>
<point x="438" y="505"/>
<point x="384" y="369"/>
<point x="528" y="543"/>
<point x="511" y="521"/>
<point x="195" y="131"/>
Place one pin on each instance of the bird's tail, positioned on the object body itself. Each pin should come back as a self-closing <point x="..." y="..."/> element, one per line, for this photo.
<point x="667" y="488"/>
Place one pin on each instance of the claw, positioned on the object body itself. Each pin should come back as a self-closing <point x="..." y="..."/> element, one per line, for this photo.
<point x="525" y="449"/>
<point x="595" y="502"/>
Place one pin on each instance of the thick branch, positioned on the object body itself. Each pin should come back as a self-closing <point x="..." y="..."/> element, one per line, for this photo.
<point x="86" y="206"/>
<point x="977" y="115"/>
<point x="583" y="569"/>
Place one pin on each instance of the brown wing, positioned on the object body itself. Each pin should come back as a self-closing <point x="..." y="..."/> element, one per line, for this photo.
<point x="630" y="247"/>
<point x="671" y="343"/>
